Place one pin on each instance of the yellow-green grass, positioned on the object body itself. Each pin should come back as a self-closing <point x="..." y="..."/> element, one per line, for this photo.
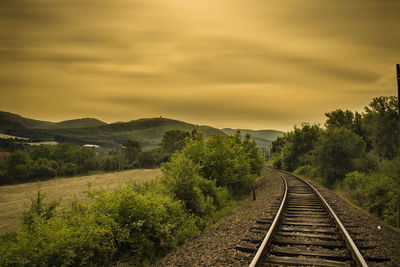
<point x="53" y="143"/>
<point x="6" y="136"/>
<point x="13" y="198"/>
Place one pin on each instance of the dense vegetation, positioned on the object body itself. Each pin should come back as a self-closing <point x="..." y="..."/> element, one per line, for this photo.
<point x="138" y="222"/>
<point x="355" y="152"/>
<point x="26" y="163"/>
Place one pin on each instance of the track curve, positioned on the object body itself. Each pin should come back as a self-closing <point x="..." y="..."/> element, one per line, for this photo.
<point x="306" y="231"/>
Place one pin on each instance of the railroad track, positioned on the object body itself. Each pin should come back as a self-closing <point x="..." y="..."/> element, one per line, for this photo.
<point x="305" y="232"/>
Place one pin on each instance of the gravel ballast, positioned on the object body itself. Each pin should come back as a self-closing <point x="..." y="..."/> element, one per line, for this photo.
<point x="365" y="230"/>
<point x="216" y="246"/>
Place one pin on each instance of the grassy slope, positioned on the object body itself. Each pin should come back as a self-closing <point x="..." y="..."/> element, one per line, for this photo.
<point x="13" y="197"/>
<point x="77" y="123"/>
<point x="28" y="123"/>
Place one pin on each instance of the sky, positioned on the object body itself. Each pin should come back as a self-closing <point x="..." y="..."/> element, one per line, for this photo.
<point x="257" y="64"/>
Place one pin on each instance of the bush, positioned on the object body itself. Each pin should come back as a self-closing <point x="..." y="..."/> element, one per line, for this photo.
<point x="137" y="222"/>
<point x="42" y="168"/>
<point x="378" y="192"/>
<point x="129" y="222"/>
<point x="68" y="169"/>
<point x="181" y="176"/>
<point x="307" y="171"/>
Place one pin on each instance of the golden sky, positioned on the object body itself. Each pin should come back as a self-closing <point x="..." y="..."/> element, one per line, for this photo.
<point x="260" y="64"/>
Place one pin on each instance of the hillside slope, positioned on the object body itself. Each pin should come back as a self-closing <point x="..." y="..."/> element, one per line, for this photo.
<point x="76" y="123"/>
<point x="26" y="122"/>
<point x="148" y="132"/>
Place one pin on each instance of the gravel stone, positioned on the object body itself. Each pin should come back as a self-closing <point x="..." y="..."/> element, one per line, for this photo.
<point x="216" y="246"/>
<point x="363" y="229"/>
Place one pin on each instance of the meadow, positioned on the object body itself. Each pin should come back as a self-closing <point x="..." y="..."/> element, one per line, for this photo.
<point x="13" y="198"/>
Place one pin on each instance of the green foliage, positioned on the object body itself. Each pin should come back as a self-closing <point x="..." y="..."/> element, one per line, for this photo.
<point x="293" y="149"/>
<point x="44" y="168"/>
<point x="129" y="222"/>
<point x="229" y="161"/>
<point x="181" y="176"/>
<point x="335" y="152"/>
<point x="48" y="161"/>
<point x="132" y="149"/>
<point x="359" y="151"/>
<point x="307" y="171"/>
<point x="39" y="210"/>
<point x="378" y="192"/>
<point x="382" y="120"/>
<point x="18" y="166"/>
<point x="137" y="222"/>
<point x="152" y="157"/>
<point x="174" y="140"/>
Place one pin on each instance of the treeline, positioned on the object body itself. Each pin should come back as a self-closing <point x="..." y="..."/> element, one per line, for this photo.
<point x="137" y="223"/>
<point x="27" y="163"/>
<point x="355" y="152"/>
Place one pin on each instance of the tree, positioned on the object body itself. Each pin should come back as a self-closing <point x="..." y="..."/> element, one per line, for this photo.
<point x="253" y="153"/>
<point x="132" y="149"/>
<point x="335" y="153"/>
<point x="340" y="118"/>
<point x="151" y="158"/>
<point x="382" y="120"/>
<point x="295" y="146"/>
<point x="174" y="140"/>
<point x="18" y="166"/>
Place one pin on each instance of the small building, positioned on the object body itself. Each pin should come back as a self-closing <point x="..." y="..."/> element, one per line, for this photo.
<point x="92" y="146"/>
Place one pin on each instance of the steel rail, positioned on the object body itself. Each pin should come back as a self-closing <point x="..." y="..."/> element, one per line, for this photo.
<point x="260" y="252"/>
<point x="356" y="255"/>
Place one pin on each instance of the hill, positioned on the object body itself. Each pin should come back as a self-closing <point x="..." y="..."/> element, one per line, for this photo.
<point x="77" y="123"/>
<point x="28" y="123"/>
<point x="148" y="131"/>
<point x="263" y="138"/>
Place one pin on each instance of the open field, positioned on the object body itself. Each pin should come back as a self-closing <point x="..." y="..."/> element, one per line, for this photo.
<point x="6" y="136"/>
<point x="53" y="143"/>
<point x="14" y="197"/>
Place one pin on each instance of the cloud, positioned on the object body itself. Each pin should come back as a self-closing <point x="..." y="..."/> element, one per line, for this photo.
<point x="245" y="63"/>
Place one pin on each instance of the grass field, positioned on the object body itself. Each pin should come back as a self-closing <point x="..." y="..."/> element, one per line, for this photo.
<point x="6" y="136"/>
<point x="14" y="197"/>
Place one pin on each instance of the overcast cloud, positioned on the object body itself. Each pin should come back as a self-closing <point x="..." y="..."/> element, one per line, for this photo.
<point x="225" y="63"/>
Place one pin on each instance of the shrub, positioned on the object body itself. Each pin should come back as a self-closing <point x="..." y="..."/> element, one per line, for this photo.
<point x="181" y="177"/>
<point x="129" y="222"/>
<point x="307" y="171"/>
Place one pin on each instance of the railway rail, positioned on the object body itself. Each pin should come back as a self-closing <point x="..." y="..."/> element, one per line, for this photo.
<point x="306" y="232"/>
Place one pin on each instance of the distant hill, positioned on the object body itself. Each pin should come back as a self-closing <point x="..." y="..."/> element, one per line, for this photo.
<point x="148" y="132"/>
<point x="263" y="138"/>
<point x="28" y="123"/>
<point x="77" y="123"/>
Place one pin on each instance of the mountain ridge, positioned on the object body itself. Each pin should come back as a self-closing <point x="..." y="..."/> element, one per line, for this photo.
<point x="148" y="131"/>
